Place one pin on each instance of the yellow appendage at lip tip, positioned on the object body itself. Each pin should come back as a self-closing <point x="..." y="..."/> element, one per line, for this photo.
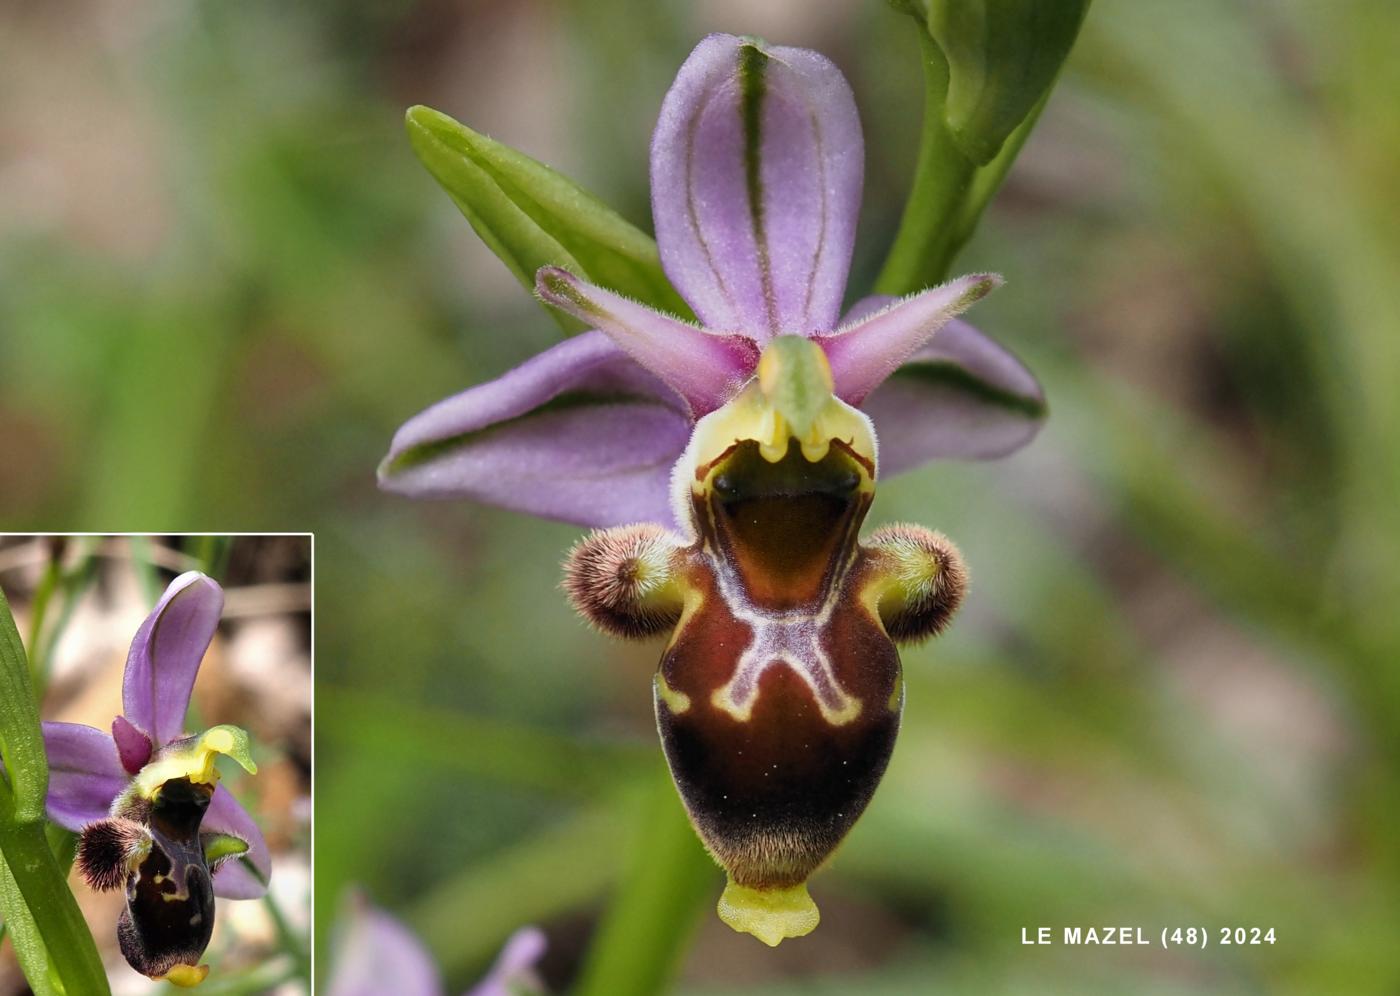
<point x="771" y="915"/>
<point x="186" y="976"/>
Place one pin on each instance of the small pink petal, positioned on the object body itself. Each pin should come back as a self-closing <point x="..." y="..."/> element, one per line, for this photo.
<point x="133" y="746"/>
<point x="865" y="353"/>
<point x="704" y="368"/>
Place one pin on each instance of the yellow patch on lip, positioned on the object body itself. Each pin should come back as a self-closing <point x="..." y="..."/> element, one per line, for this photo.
<point x="677" y="702"/>
<point x="771" y="915"/>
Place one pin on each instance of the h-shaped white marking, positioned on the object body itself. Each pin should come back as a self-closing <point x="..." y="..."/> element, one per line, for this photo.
<point x="791" y="638"/>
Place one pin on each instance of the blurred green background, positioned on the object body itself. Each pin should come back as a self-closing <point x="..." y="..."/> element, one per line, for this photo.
<point x="1173" y="697"/>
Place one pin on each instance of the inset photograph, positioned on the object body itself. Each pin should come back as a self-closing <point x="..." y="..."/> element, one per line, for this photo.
<point x="155" y="722"/>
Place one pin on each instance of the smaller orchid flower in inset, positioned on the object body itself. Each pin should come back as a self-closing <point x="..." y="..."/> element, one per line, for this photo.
<point x="377" y="954"/>
<point x="153" y="818"/>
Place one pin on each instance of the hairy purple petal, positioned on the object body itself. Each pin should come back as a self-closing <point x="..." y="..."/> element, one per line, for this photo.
<point x="233" y="880"/>
<point x="864" y="353"/>
<point x="703" y="367"/>
<point x="961" y="396"/>
<point x="85" y="774"/>
<point x="133" y="747"/>
<point x="376" y="954"/>
<point x="867" y="306"/>
<point x="756" y="169"/>
<point x="580" y="433"/>
<point x="166" y="653"/>
<point x="514" y="970"/>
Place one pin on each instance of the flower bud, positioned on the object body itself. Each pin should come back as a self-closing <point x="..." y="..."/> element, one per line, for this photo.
<point x="1003" y="57"/>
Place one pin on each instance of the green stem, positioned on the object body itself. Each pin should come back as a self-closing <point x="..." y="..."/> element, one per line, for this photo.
<point x="288" y="939"/>
<point x="988" y="179"/>
<point x="665" y="885"/>
<point x="923" y="249"/>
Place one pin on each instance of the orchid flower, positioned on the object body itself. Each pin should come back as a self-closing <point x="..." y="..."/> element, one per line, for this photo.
<point x="146" y="799"/>
<point x="377" y="954"/>
<point x="735" y="460"/>
<point x="756" y="173"/>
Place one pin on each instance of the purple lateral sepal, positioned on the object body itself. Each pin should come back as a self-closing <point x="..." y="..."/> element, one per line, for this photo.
<point x="962" y="396"/>
<point x="85" y="774"/>
<point x="580" y="433"/>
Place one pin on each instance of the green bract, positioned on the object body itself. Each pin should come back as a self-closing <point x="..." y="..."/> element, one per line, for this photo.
<point x="531" y="216"/>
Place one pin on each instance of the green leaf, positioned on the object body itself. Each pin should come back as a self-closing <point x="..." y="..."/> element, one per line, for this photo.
<point x="26" y="781"/>
<point x="1003" y="56"/>
<point x="532" y="216"/>
<point x="30" y="952"/>
<point x="52" y="942"/>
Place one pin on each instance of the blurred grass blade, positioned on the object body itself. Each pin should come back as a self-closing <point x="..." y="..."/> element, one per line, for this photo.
<point x="531" y="216"/>
<point x="213" y="554"/>
<point x="48" y="584"/>
<point x="649" y="922"/>
<point x="72" y="583"/>
<point x="511" y="753"/>
<point x="557" y="870"/>
<point x="51" y="940"/>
